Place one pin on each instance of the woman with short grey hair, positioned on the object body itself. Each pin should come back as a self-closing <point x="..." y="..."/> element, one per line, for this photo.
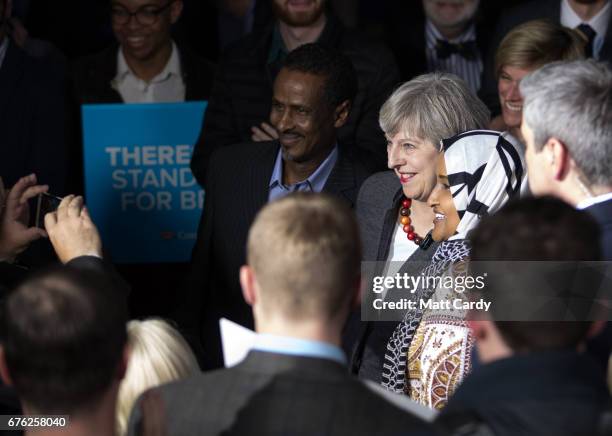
<point x="392" y="209"/>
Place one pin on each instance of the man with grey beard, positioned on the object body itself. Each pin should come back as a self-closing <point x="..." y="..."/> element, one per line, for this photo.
<point x="439" y="35"/>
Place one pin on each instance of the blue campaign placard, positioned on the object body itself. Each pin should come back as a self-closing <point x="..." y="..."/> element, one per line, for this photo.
<point x="138" y="185"/>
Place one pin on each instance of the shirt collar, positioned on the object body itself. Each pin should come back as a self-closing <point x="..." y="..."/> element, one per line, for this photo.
<point x="173" y="67"/>
<point x="3" y="49"/>
<point x="316" y="181"/>
<point x="433" y="34"/>
<point x="599" y="22"/>
<point x="298" y="347"/>
<point x="594" y="200"/>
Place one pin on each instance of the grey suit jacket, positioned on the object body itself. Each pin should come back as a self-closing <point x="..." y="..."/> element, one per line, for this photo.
<point x="278" y="394"/>
<point x="377" y="207"/>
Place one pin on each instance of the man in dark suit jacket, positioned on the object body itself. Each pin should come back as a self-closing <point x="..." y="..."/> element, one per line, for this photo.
<point x="532" y="378"/>
<point x="312" y="100"/>
<point x="572" y="100"/>
<point x="146" y="66"/>
<point x="241" y="97"/>
<point x="301" y="279"/>
<point x="571" y="14"/>
<point x="413" y="28"/>
<point x="32" y="115"/>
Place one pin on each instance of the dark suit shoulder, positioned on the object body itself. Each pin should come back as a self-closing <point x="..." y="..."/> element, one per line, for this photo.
<point x="198" y="74"/>
<point x="293" y="400"/>
<point x="379" y="189"/>
<point x="37" y="74"/>
<point x="244" y="49"/>
<point x="370" y="51"/>
<point x="602" y="213"/>
<point x="375" y="198"/>
<point x="92" y="75"/>
<point x="235" y="164"/>
<point x="240" y="154"/>
<point x="532" y="10"/>
<point x="191" y="58"/>
<point x="103" y="61"/>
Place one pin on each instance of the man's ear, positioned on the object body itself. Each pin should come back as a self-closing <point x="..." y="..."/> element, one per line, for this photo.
<point x="247" y="282"/>
<point x="341" y="113"/>
<point x="4" y="372"/>
<point x="480" y="328"/>
<point x="176" y="9"/>
<point x="558" y="158"/>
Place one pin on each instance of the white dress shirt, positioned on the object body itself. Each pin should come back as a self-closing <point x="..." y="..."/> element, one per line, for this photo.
<point x="167" y="87"/>
<point x="594" y="200"/>
<point x="599" y="23"/>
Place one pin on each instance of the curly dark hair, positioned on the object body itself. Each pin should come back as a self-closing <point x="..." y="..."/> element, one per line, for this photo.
<point x="341" y="79"/>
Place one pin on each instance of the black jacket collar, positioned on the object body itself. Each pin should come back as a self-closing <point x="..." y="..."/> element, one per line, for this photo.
<point x="536" y="376"/>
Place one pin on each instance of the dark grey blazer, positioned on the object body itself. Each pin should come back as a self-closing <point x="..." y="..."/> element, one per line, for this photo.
<point x="377" y="207"/>
<point x="277" y="394"/>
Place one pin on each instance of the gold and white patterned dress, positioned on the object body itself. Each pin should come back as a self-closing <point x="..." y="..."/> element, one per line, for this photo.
<point x="439" y="356"/>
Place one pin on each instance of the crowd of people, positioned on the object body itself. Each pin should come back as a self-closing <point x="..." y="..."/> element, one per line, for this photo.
<point x="437" y="139"/>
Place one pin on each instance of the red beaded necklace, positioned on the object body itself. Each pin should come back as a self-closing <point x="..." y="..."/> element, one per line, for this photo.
<point x="405" y="221"/>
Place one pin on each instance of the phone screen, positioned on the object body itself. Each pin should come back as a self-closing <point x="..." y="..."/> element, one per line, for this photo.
<point x="46" y="203"/>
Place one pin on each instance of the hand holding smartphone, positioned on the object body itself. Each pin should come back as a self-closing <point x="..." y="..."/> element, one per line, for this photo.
<point x="45" y="203"/>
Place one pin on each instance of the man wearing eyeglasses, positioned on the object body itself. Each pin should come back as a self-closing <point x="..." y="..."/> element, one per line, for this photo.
<point x="148" y="66"/>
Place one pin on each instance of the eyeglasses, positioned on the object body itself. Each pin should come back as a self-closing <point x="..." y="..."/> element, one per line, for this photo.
<point x="145" y="16"/>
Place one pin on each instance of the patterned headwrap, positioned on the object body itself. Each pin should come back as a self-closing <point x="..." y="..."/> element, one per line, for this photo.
<point x="485" y="169"/>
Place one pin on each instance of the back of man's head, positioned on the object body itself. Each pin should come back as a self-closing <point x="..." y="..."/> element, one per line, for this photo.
<point x="529" y="238"/>
<point x="305" y="253"/>
<point x="64" y="333"/>
<point x="572" y="102"/>
<point x="341" y="83"/>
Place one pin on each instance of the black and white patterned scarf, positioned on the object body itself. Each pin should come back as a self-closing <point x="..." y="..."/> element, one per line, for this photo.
<point x="484" y="171"/>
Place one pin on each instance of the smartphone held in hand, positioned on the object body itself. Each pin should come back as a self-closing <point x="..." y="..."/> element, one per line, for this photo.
<point x="46" y="203"/>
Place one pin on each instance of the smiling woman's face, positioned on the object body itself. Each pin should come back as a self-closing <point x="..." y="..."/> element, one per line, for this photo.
<point x="446" y="218"/>
<point x="414" y="162"/>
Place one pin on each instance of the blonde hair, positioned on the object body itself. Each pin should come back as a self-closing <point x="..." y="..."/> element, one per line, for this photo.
<point x="536" y="43"/>
<point x="305" y="252"/>
<point x="158" y="355"/>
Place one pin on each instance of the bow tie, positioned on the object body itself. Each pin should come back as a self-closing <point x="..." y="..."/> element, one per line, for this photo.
<point x="467" y="49"/>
